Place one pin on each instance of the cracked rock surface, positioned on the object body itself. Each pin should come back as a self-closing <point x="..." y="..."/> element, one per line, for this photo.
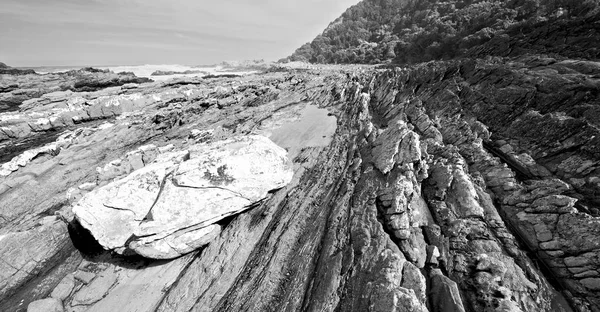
<point x="466" y="185"/>
<point x="19" y="87"/>
<point x="169" y="207"/>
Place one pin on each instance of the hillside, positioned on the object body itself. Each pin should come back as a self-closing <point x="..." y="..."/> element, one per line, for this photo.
<point x="405" y="31"/>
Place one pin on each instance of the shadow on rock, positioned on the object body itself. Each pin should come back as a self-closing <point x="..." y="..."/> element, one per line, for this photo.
<point x="83" y="240"/>
<point x="93" y="252"/>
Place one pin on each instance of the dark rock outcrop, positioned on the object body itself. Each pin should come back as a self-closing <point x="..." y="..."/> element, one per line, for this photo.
<point x="7" y="70"/>
<point x="17" y="89"/>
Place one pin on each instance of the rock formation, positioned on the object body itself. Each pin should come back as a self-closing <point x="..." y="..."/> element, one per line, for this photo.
<point x="18" y="86"/>
<point x="469" y="184"/>
<point x="168" y="206"/>
<point x="7" y="70"/>
<point x="427" y="193"/>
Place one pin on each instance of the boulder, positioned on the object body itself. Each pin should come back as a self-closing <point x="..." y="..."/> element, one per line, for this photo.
<point x="170" y="207"/>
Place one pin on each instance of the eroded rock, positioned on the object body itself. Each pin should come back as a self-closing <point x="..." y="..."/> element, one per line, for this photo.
<point x="372" y="215"/>
<point x="444" y="294"/>
<point x="168" y="208"/>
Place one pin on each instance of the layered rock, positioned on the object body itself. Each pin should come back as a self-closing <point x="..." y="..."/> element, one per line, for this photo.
<point x="170" y="206"/>
<point x="538" y="142"/>
<point x="15" y="89"/>
<point x="46" y="183"/>
<point x="7" y="70"/>
<point x="459" y="186"/>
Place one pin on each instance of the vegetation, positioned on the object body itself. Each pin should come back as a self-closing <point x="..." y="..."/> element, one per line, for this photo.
<point x="409" y="31"/>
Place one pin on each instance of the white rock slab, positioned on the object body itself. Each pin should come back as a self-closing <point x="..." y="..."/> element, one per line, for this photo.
<point x="170" y="207"/>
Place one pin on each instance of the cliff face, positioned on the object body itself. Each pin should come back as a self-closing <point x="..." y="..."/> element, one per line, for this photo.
<point x="452" y="186"/>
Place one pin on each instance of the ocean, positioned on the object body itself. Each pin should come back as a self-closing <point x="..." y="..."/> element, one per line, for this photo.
<point x="145" y="70"/>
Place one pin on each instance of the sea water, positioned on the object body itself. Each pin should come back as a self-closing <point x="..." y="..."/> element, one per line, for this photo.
<point x="146" y="70"/>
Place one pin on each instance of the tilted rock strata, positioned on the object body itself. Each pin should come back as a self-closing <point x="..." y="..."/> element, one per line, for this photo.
<point x="423" y="200"/>
<point x="32" y="252"/>
<point x="359" y="266"/>
<point x="561" y="144"/>
<point x="7" y="70"/>
<point x="49" y="183"/>
<point x="169" y="207"/>
<point x="18" y="88"/>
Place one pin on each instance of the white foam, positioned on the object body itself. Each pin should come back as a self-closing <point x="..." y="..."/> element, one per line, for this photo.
<point x="148" y="69"/>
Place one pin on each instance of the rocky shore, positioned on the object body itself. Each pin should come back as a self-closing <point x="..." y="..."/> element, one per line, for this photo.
<point x="18" y="86"/>
<point x="467" y="185"/>
<point x="7" y="70"/>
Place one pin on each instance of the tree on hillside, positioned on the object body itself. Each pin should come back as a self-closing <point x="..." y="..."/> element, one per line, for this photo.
<point x="408" y="31"/>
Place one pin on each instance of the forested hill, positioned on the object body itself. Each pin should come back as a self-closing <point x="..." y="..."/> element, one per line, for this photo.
<point x="410" y="31"/>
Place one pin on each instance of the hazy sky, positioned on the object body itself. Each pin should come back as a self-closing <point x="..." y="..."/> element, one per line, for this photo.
<point x="132" y="32"/>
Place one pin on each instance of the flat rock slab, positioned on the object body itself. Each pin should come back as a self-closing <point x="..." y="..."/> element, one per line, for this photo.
<point x="170" y="207"/>
<point x="46" y="305"/>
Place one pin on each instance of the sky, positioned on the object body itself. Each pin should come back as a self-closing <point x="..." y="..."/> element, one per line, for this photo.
<point x="136" y="32"/>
